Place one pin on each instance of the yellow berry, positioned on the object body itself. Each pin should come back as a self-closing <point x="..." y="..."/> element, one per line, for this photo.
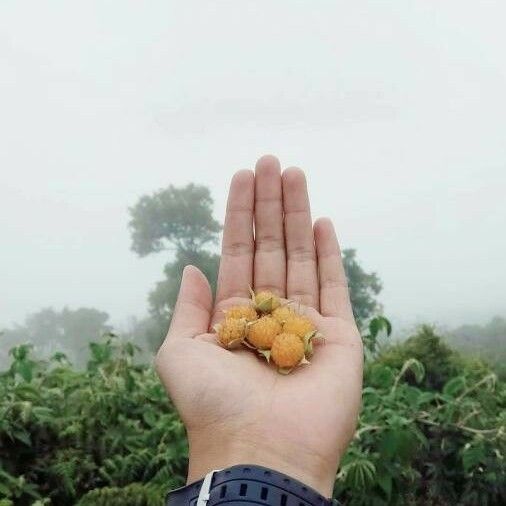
<point x="299" y="325"/>
<point x="283" y="313"/>
<point x="261" y="333"/>
<point x="287" y="350"/>
<point x="247" y="312"/>
<point x="231" y="332"/>
<point x="266" y="301"/>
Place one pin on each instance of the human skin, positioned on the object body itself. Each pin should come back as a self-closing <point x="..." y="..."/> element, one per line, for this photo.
<point x="237" y="409"/>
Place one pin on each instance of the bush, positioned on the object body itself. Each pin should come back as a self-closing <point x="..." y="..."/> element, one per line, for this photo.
<point x="65" y="433"/>
<point x="108" y="435"/>
<point x="438" y="360"/>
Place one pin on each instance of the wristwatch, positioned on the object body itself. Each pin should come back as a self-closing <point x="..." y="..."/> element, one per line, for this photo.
<point x="246" y="485"/>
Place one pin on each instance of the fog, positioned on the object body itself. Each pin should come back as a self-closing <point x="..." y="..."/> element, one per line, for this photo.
<point x="396" y="110"/>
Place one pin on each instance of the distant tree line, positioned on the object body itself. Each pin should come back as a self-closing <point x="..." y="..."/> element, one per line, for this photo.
<point x="487" y="342"/>
<point x="49" y="330"/>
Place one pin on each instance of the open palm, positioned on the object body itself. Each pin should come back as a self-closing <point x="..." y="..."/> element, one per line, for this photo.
<point x="235" y="408"/>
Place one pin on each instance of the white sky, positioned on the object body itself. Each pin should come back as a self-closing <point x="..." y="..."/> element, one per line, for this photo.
<point x="396" y="110"/>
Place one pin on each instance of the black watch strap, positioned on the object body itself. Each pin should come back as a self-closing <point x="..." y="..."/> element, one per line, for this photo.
<point x="246" y="485"/>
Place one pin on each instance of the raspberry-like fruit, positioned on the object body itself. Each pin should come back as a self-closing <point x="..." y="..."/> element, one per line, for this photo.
<point x="287" y="350"/>
<point x="266" y="301"/>
<point x="231" y="332"/>
<point x="299" y="325"/>
<point x="283" y="313"/>
<point x="261" y="333"/>
<point x="247" y="312"/>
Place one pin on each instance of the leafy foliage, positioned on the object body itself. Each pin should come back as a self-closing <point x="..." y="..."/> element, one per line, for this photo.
<point x="108" y="435"/>
<point x="65" y="433"/>
<point x="429" y="433"/>
<point x="439" y="361"/>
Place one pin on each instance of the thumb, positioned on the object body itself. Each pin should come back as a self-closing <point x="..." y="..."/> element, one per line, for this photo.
<point x="194" y="304"/>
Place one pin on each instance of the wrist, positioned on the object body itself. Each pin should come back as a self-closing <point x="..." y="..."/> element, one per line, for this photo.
<point x="216" y="450"/>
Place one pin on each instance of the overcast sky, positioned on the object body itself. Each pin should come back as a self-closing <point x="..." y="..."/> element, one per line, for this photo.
<point x="396" y="110"/>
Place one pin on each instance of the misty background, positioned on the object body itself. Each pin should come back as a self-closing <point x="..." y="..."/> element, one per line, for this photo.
<point x="395" y="110"/>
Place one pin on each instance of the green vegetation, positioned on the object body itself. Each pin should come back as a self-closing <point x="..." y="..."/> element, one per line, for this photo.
<point x="431" y="431"/>
<point x="65" y="433"/>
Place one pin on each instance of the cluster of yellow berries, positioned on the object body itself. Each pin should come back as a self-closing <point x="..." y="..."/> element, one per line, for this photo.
<point x="273" y="330"/>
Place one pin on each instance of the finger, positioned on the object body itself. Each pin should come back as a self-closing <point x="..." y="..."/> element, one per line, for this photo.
<point x="270" y="258"/>
<point x="236" y="265"/>
<point x="334" y="295"/>
<point x="192" y="313"/>
<point x="302" y="276"/>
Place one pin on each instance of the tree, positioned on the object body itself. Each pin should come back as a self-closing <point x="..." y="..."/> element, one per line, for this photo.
<point x="178" y="220"/>
<point x="174" y="219"/>
<point x="163" y="297"/>
<point x="363" y="286"/>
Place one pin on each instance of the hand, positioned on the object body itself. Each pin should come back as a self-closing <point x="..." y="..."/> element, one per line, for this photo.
<point x="236" y="409"/>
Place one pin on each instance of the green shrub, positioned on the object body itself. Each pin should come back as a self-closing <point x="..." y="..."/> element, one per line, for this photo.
<point x="429" y="432"/>
<point x="438" y="360"/>
<point x="64" y="433"/>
